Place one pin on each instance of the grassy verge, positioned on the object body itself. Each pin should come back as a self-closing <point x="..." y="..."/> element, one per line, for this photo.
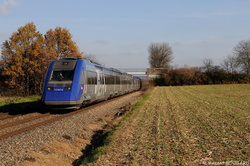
<point x="106" y="138"/>
<point x="20" y="103"/>
<point x="18" y="100"/>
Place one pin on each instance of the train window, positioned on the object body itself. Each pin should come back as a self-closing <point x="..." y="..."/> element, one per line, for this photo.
<point x="64" y="75"/>
<point x="83" y="78"/>
<point x="91" y="77"/>
<point x="117" y="80"/>
<point x="109" y="79"/>
<point x="102" y="79"/>
<point x="89" y="80"/>
<point x="123" y="80"/>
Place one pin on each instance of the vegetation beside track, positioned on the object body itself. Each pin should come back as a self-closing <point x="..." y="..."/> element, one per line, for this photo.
<point x="186" y="125"/>
<point x="104" y="141"/>
<point x="9" y="103"/>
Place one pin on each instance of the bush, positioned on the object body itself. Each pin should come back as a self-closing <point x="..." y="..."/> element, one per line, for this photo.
<point x="195" y="76"/>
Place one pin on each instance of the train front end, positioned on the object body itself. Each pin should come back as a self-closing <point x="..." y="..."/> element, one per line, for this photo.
<point x="62" y="88"/>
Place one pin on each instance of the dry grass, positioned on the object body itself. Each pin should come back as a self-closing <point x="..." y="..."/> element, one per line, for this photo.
<point x="188" y="125"/>
<point x="57" y="153"/>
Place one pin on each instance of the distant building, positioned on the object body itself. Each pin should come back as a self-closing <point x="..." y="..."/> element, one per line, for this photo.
<point x="145" y="73"/>
<point x="139" y="72"/>
<point x="156" y="72"/>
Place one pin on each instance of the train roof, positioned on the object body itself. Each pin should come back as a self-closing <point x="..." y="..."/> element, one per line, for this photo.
<point x="92" y="63"/>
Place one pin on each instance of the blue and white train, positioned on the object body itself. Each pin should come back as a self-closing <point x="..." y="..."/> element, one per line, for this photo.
<point x="71" y="83"/>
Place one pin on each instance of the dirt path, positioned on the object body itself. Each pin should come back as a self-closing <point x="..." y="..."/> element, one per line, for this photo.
<point x="193" y="125"/>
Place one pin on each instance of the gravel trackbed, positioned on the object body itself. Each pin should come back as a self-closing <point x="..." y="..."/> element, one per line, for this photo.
<point x="60" y="142"/>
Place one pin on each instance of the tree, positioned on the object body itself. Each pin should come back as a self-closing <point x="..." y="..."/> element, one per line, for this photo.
<point x="208" y="64"/>
<point x="91" y="57"/>
<point x="27" y="54"/>
<point x="242" y="53"/>
<point x="59" y="44"/>
<point x="160" y="55"/>
<point x="230" y="64"/>
<point x="20" y="57"/>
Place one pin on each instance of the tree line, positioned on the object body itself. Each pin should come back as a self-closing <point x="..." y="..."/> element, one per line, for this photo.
<point x="233" y="69"/>
<point x="27" y="54"/>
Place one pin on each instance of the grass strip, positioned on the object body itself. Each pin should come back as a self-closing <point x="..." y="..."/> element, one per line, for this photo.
<point x="18" y="100"/>
<point x="106" y="138"/>
<point x="20" y="103"/>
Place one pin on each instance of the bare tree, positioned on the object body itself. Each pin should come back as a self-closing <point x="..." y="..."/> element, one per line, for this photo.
<point x="91" y="57"/>
<point x="208" y="64"/>
<point x="160" y="55"/>
<point x="230" y="64"/>
<point x="242" y="52"/>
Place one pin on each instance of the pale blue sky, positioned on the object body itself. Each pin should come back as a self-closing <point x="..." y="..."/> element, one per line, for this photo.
<point x="118" y="32"/>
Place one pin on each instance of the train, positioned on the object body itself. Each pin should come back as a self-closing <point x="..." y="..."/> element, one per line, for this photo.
<point x="72" y="83"/>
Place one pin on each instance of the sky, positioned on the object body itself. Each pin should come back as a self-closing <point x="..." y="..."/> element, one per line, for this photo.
<point x="118" y="32"/>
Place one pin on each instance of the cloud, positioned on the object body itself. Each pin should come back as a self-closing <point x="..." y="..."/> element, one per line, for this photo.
<point x="4" y="8"/>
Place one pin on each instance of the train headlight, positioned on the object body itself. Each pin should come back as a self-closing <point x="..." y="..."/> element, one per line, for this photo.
<point x="49" y="88"/>
<point x="67" y="88"/>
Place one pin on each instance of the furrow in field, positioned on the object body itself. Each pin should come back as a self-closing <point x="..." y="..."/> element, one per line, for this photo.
<point x="237" y="118"/>
<point x="148" y="138"/>
<point x="188" y="125"/>
<point x="215" y="128"/>
<point x="227" y="98"/>
<point x="193" y="143"/>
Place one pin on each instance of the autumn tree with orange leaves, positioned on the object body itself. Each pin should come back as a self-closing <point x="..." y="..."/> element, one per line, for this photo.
<point x="27" y="54"/>
<point x="59" y="43"/>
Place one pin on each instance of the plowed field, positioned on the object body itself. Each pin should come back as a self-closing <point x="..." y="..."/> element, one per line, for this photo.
<point x="187" y="125"/>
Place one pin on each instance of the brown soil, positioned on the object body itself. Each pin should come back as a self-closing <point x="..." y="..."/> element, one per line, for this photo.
<point x="201" y="125"/>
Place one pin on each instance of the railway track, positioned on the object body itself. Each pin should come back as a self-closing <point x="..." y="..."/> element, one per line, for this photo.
<point x="37" y="120"/>
<point x="4" y="116"/>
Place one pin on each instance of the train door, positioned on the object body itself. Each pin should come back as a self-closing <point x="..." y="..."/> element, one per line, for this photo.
<point x="100" y="87"/>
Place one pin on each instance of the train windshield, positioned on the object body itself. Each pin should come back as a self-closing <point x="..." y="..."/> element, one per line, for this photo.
<point x="64" y="75"/>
